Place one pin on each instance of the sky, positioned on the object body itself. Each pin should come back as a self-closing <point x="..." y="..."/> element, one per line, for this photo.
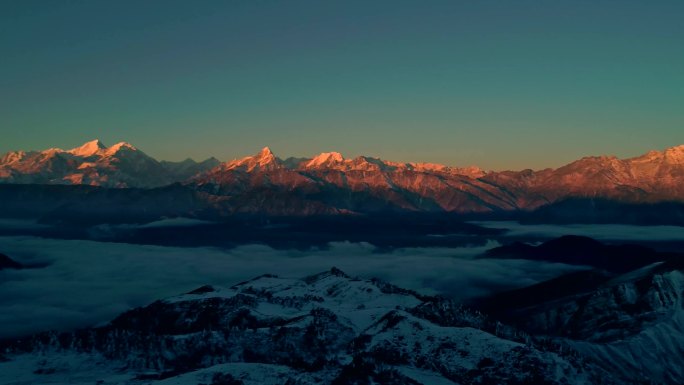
<point x="498" y="84"/>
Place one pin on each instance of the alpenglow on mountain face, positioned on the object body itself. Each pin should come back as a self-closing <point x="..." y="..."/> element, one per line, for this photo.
<point x="329" y="183"/>
<point x="93" y="163"/>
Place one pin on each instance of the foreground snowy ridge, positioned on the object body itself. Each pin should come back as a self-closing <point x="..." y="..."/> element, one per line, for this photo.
<point x="322" y="329"/>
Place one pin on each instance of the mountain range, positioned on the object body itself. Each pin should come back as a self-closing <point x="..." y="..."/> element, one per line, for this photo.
<point x="327" y="328"/>
<point x="93" y="163"/>
<point x="331" y="184"/>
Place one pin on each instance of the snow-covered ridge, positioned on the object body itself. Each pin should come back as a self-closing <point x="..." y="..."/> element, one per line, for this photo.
<point x="631" y="324"/>
<point x="264" y="160"/>
<point x="93" y="163"/>
<point x="88" y="149"/>
<point x="325" y="159"/>
<point x="315" y="330"/>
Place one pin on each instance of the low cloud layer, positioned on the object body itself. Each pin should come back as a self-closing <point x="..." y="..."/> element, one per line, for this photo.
<point x="20" y="224"/>
<point x="598" y="231"/>
<point x="88" y="283"/>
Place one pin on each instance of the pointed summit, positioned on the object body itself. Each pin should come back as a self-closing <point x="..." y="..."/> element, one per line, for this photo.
<point x="263" y="160"/>
<point x="265" y="152"/>
<point x="264" y="157"/>
<point x="88" y="149"/>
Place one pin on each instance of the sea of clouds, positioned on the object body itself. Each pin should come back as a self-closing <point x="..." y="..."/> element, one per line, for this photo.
<point x="87" y="283"/>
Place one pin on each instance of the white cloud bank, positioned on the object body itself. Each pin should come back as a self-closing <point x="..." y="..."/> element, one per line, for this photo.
<point x="88" y="283"/>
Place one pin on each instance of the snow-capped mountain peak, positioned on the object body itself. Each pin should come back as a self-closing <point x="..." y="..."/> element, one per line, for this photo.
<point x="325" y="159"/>
<point x="263" y="160"/>
<point x="90" y="148"/>
<point x="675" y="154"/>
<point x="265" y="157"/>
<point x="92" y="163"/>
<point x="265" y="153"/>
<point x="96" y="147"/>
<point x="118" y="147"/>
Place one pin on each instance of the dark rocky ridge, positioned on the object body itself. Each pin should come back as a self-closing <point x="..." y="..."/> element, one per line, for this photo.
<point x="8" y="263"/>
<point x="585" y="251"/>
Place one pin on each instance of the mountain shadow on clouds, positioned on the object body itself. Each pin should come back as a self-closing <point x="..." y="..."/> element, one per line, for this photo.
<point x="8" y="263"/>
<point x="574" y="210"/>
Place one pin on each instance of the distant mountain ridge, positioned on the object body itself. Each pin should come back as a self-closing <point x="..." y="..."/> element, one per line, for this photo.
<point x="93" y="163"/>
<point x="328" y="183"/>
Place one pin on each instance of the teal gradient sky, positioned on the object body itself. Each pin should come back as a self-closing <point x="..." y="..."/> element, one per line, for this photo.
<point x="500" y="84"/>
